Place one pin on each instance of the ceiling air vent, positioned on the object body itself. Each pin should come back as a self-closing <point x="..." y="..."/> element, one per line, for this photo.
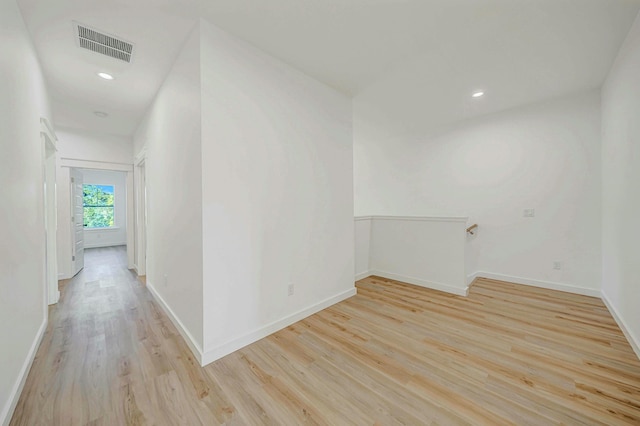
<point x="99" y="42"/>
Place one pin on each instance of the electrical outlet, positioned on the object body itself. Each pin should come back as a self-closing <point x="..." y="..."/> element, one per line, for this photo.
<point x="557" y="265"/>
<point x="529" y="212"/>
<point x="290" y="289"/>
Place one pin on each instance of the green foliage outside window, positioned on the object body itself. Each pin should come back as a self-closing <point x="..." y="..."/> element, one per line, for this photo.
<point x="98" y="206"/>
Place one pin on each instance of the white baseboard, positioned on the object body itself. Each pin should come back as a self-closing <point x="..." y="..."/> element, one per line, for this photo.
<point x="14" y="396"/>
<point x="184" y="332"/>
<point x="233" y="345"/>
<point x="568" y="288"/>
<point x="363" y="275"/>
<point x="634" y="341"/>
<point x="460" y="291"/>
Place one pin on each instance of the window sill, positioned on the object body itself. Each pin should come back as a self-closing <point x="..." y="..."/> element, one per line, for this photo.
<point x="110" y="229"/>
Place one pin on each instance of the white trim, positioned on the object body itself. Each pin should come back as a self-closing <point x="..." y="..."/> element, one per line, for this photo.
<point x="363" y="275"/>
<point x="184" y="332"/>
<point x="422" y="283"/>
<point x="416" y="218"/>
<point x="106" y="228"/>
<point x="633" y="341"/>
<point x="14" y="396"/>
<point x="568" y="288"/>
<point x="140" y="157"/>
<point x="239" y="342"/>
<point x="96" y="165"/>
<point x="139" y="214"/>
<point x="47" y="129"/>
<point x="129" y="219"/>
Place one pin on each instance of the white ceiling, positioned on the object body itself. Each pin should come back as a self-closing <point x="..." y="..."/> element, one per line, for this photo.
<point x="547" y="47"/>
<point x="71" y="72"/>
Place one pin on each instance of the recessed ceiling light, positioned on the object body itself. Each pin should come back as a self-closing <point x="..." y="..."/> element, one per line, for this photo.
<point x="101" y="114"/>
<point x="477" y="94"/>
<point x="105" y="76"/>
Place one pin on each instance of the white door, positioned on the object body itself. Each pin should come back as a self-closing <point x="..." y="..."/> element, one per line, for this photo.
<point x="77" y="220"/>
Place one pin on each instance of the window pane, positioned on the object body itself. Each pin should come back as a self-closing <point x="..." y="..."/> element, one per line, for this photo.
<point x="98" y="217"/>
<point x="98" y="206"/>
<point x="97" y="195"/>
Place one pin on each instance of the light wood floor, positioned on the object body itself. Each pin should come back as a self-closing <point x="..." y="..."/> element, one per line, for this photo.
<point x="393" y="354"/>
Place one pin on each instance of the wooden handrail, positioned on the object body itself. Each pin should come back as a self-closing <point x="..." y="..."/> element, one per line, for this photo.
<point x="471" y="228"/>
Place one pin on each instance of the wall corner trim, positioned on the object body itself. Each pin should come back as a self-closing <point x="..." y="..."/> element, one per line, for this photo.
<point x="16" y="391"/>
<point x="550" y="285"/>
<point x="233" y="345"/>
<point x="362" y="275"/>
<point x="633" y="340"/>
<point x="184" y="332"/>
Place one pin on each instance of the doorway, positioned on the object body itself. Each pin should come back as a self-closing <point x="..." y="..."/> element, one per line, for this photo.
<point x="74" y="237"/>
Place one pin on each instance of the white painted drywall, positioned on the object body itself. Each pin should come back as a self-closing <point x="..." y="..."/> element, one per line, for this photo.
<point x="92" y="146"/>
<point x="277" y="193"/>
<point x="22" y="256"/>
<point x="425" y="251"/>
<point x="117" y="235"/>
<point x="362" y="237"/>
<point x="170" y="132"/>
<point x="88" y="146"/>
<point x="620" y="187"/>
<point x="544" y="156"/>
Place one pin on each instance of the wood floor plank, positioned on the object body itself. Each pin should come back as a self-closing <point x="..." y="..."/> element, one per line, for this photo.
<point x="393" y="354"/>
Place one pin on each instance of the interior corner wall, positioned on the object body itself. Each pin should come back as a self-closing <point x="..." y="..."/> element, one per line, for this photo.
<point x="22" y="251"/>
<point x="277" y="194"/>
<point x="620" y="190"/>
<point x="171" y="135"/>
<point x="543" y="156"/>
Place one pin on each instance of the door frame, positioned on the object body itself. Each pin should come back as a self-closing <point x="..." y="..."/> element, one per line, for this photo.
<point x="140" y="180"/>
<point x="72" y="163"/>
<point x="50" y="207"/>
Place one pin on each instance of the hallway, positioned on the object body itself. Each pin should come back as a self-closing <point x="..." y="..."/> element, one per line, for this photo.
<point x="106" y="342"/>
<point x="92" y="344"/>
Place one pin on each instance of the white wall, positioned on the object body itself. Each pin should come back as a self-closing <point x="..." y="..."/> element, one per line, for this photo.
<point x="425" y="251"/>
<point x="22" y="259"/>
<point x="544" y="156"/>
<point x="170" y="133"/>
<point x="620" y="189"/>
<point x="92" y="148"/>
<point x="362" y="237"/>
<point x="277" y="194"/>
<point x="117" y="235"/>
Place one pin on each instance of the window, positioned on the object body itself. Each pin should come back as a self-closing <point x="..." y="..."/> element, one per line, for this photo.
<point x="98" y="206"/>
